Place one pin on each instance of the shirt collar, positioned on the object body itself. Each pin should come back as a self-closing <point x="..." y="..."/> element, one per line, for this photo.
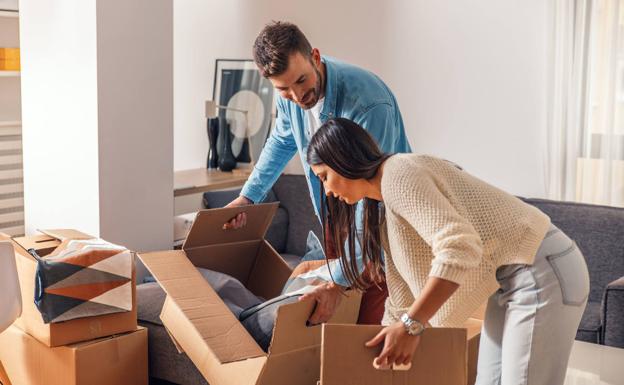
<point x="331" y="87"/>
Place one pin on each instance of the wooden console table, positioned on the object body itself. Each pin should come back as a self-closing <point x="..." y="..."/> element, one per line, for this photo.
<point x="200" y="180"/>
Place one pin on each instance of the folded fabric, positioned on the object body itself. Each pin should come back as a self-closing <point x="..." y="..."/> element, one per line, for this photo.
<point x="83" y="278"/>
<point x="255" y="313"/>
<point x="313" y="269"/>
<point x="233" y="293"/>
<point x="259" y="320"/>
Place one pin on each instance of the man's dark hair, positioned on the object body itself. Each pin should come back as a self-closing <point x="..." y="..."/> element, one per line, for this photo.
<point x="274" y="45"/>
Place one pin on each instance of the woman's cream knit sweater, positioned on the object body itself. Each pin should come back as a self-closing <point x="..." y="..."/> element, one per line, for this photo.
<point x="442" y="222"/>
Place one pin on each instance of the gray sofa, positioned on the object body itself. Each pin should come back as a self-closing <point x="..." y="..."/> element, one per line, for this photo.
<point x="598" y="231"/>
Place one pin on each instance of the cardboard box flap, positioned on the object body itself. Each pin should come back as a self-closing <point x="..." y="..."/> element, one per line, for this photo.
<point x="207" y="229"/>
<point x="46" y="242"/>
<point x="199" y="308"/>
<point x="65" y="234"/>
<point x="37" y="242"/>
<point x="440" y="358"/>
<point x="291" y="332"/>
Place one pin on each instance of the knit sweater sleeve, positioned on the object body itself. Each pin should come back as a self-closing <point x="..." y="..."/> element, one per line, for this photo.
<point x="413" y="194"/>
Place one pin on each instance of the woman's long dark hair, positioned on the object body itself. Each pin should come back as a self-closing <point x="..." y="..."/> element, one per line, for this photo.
<point x="350" y="151"/>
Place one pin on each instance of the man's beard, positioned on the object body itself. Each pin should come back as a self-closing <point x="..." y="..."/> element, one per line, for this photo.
<point x="316" y="91"/>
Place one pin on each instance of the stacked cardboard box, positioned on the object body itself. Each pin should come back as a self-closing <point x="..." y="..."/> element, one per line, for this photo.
<point x="9" y="59"/>
<point x="201" y="324"/>
<point x="105" y="349"/>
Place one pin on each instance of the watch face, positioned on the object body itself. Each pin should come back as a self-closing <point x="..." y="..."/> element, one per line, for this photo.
<point x="415" y="328"/>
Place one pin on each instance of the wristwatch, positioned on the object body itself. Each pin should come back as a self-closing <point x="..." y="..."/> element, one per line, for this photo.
<point x="413" y="326"/>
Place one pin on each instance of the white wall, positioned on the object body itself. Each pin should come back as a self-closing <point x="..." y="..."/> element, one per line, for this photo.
<point x="135" y="121"/>
<point x="59" y="114"/>
<point x="470" y="77"/>
<point x="205" y="30"/>
<point x="471" y="81"/>
<point x="97" y="86"/>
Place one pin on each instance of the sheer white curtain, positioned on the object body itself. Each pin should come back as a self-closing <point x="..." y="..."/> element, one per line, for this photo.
<point x="585" y="136"/>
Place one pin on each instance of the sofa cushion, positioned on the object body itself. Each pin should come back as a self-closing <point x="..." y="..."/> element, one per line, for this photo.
<point x="294" y="196"/>
<point x="589" y="328"/>
<point x="164" y="360"/>
<point x="278" y="230"/>
<point x="216" y="199"/>
<point x="613" y="314"/>
<point x="150" y="299"/>
<point x="599" y="234"/>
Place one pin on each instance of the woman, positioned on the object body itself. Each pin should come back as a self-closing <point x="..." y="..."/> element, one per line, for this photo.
<point x="452" y="242"/>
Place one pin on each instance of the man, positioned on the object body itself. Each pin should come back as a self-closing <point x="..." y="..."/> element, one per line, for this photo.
<point x="313" y="88"/>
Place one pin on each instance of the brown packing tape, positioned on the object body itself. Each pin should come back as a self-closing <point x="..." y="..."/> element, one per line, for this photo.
<point x="439" y="360"/>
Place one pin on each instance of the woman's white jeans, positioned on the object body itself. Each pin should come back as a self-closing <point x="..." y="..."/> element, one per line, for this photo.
<point x="531" y="321"/>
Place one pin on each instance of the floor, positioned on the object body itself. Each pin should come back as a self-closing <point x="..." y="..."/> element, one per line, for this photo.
<point x="592" y="364"/>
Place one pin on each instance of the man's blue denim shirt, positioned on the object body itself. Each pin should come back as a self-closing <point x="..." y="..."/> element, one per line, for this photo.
<point x="350" y="92"/>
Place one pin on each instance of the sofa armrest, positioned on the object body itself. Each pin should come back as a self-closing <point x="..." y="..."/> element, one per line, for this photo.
<point x="613" y="314"/>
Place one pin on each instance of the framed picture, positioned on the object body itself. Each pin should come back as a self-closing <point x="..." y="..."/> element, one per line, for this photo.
<point x="239" y="85"/>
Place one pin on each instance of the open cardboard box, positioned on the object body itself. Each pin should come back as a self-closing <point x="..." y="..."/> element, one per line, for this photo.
<point x="223" y="351"/>
<point x="67" y="332"/>
<point x="204" y="327"/>
<point x="445" y="356"/>
<point x="119" y="359"/>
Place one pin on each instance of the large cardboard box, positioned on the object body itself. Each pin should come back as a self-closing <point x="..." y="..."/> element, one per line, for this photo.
<point x="67" y="332"/>
<point x="120" y="359"/>
<point x="203" y="327"/>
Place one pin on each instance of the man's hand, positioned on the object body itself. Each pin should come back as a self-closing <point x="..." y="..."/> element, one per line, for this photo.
<point x="327" y="297"/>
<point x="241" y="219"/>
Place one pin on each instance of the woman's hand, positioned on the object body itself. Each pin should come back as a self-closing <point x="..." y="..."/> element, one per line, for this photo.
<point x="399" y="347"/>
<point x="327" y="297"/>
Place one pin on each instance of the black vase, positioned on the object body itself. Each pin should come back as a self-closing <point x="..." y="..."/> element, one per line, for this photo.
<point x="212" y="127"/>
<point x="227" y="162"/>
<point x="244" y="157"/>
